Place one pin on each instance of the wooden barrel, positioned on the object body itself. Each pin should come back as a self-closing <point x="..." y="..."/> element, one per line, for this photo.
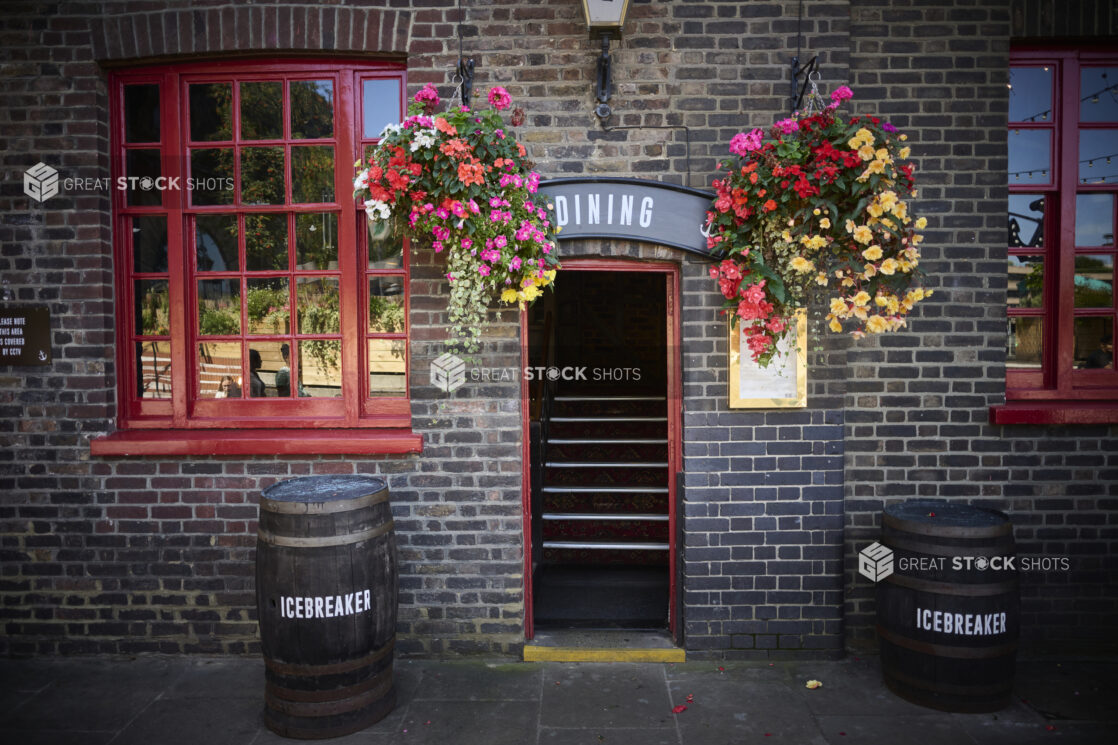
<point x="326" y="595"/>
<point x="949" y="614"/>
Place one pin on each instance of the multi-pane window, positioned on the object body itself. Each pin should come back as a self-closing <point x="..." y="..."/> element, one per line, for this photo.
<point x="1063" y="182"/>
<point x="250" y="289"/>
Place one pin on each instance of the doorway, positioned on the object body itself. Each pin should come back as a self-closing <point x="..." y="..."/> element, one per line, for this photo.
<point x="602" y="385"/>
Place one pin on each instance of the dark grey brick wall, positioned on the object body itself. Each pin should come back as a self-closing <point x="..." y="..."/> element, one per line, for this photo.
<point x="155" y="554"/>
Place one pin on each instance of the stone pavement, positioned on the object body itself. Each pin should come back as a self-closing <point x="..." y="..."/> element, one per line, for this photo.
<point x="218" y="701"/>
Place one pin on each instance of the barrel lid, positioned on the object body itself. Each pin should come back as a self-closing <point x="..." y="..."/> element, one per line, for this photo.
<point x="323" y="488"/>
<point x="945" y="513"/>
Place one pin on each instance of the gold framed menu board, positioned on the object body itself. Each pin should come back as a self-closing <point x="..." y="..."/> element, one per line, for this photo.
<point x="781" y="385"/>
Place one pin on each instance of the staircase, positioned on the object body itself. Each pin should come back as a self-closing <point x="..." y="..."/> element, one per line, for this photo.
<point x="604" y="511"/>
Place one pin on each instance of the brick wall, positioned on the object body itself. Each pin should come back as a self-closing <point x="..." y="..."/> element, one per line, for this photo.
<point x="155" y="554"/>
<point x="917" y="407"/>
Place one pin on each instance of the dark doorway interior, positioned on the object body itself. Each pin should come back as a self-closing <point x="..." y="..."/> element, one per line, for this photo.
<point x="600" y="470"/>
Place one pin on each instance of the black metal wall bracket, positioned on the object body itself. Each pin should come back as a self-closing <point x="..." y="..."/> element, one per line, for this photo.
<point x="605" y="81"/>
<point x="466" y="74"/>
<point x="800" y="90"/>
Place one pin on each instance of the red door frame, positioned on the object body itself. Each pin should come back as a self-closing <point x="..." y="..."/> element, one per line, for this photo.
<point x="671" y="271"/>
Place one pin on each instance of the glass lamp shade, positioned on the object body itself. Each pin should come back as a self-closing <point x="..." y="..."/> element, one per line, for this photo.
<point x="605" y="15"/>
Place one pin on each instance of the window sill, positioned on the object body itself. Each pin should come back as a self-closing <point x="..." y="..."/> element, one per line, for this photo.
<point x="258" y="442"/>
<point x="1055" y="412"/>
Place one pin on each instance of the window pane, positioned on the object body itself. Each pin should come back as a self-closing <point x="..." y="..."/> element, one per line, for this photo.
<point x="265" y="361"/>
<point x="215" y="243"/>
<point x="1030" y="94"/>
<point x="386" y="251"/>
<point x="1098" y="91"/>
<point x="380" y="105"/>
<point x="1026" y="220"/>
<point x="262" y="111"/>
<point x="312" y="174"/>
<point x="143" y="167"/>
<point x="320" y="368"/>
<point x="1026" y="281"/>
<point x="219" y="307"/>
<point x="1094" y="219"/>
<point x="386" y="304"/>
<point x="219" y="370"/>
<point x="211" y="112"/>
<point x="266" y="242"/>
<point x="149" y="243"/>
<point x="269" y="306"/>
<point x="1024" y="342"/>
<point x="316" y="241"/>
<point x="153" y="307"/>
<point x="211" y="175"/>
<point x="153" y="369"/>
<point x="141" y="113"/>
<point x="1094" y="281"/>
<point x="1094" y="343"/>
<point x="312" y="109"/>
<point x="262" y="174"/>
<point x="387" y="367"/>
<point x="283" y="374"/>
<point x="1098" y="156"/>
<point x="1029" y="156"/>
<point x="318" y="301"/>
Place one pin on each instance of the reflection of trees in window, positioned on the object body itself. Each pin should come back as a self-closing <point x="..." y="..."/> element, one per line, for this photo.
<point x="319" y="313"/>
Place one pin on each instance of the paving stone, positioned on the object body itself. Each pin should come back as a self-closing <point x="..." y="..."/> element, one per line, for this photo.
<point x="471" y="723"/>
<point x="605" y="695"/>
<point x="480" y="681"/>
<point x="193" y="721"/>
<point x="607" y="736"/>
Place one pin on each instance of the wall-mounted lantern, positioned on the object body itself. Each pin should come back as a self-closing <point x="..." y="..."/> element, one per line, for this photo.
<point x="604" y="18"/>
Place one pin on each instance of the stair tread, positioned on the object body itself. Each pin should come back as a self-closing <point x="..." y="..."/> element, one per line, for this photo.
<point x="598" y="441"/>
<point x="603" y="516"/>
<point x="609" y="546"/>
<point x="604" y="464"/>
<point x="616" y="489"/>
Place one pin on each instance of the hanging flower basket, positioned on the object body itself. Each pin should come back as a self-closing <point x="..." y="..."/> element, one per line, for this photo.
<point x="816" y="202"/>
<point x="459" y="184"/>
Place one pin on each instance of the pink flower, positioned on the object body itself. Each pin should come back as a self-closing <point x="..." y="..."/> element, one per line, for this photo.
<point x="515" y="263"/>
<point x="840" y="94"/>
<point x="787" y="126"/>
<point x="483" y="270"/>
<point x="758" y="344"/>
<point x="745" y="143"/>
<point x="429" y="97"/>
<point x="499" y="98"/>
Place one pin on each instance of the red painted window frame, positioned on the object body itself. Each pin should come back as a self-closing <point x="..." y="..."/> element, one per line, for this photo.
<point x="1059" y="393"/>
<point x="186" y="422"/>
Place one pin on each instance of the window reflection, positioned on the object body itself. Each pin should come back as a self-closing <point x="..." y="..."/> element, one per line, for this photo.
<point x="153" y="369"/>
<point x="1024" y="342"/>
<point x="219" y="370"/>
<point x="1094" y="343"/>
<point x="1098" y="156"/>
<point x="1026" y="281"/>
<point x="1094" y="281"/>
<point x="1026" y="220"/>
<point x="1098" y="90"/>
<point x="388" y="367"/>
<point x="1030" y="156"/>
<point x="1094" y="219"/>
<point x="1030" y="94"/>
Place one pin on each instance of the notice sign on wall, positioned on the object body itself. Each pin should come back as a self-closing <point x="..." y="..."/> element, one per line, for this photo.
<point x="24" y="336"/>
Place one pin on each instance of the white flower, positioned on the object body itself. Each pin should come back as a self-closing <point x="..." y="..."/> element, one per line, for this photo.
<point x="377" y="210"/>
<point x="424" y="138"/>
<point x="362" y="180"/>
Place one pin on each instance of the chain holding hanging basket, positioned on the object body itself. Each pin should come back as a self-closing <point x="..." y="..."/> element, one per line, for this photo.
<point x="459" y="183"/>
<point x="816" y="203"/>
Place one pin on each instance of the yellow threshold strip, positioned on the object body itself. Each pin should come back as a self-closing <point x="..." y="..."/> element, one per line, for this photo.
<point x="534" y="653"/>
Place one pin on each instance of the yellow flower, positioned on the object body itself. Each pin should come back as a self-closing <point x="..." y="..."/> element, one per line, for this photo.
<point x="509" y="296"/>
<point x="815" y="211"/>
<point x="876" y="325"/>
<point x="866" y="151"/>
<point x="786" y="236"/>
<point x="839" y="307"/>
<point x="921" y="223"/>
<point x="875" y="210"/>
<point x="900" y="210"/>
<point x="873" y="253"/>
<point x="876" y="166"/>
<point x="883" y="154"/>
<point x="869" y="271"/>
<point x="800" y="264"/>
<point x="530" y="293"/>
<point x="887" y="199"/>
<point x="835" y="325"/>
<point x="849" y="226"/>
<point x="825" y="223"/>
<point x="881" y="301"/>
<point x="862" y="234"/>
<point x="905" y="151"/>
<point x="862" y="298"/>
<point x="889" y="266"/>
<point x="821" y="279"/>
